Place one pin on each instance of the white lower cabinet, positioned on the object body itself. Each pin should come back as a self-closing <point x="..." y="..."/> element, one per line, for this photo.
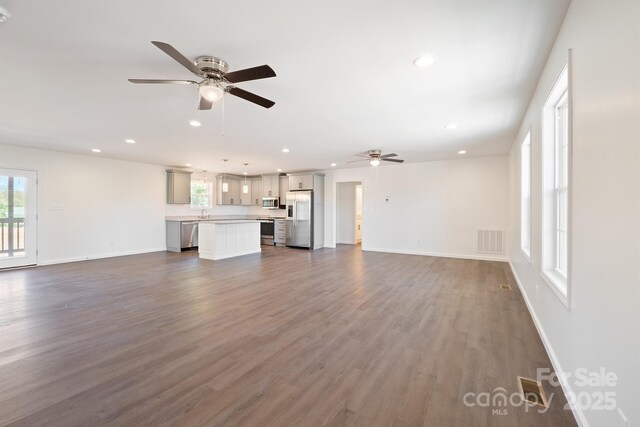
<point x="226" y="239"/>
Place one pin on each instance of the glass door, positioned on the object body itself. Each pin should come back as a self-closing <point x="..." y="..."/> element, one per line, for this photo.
<point x="18" y="195"/>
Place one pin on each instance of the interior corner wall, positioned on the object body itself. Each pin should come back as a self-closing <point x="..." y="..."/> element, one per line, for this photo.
<point x="430" y="208"/>
<point x="103" y="207"/>
<point x="600" y="330"/>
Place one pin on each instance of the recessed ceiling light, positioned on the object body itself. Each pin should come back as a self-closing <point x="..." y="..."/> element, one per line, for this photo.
<point x="278" y="170"/>
<point x="333" y="165"/>
<point x="195" y="123"/>
<point x="130" y="141"/>
<point x="4" y="15"/>
<point x="451" y="126"/>
<point x="285" y="150"/>
<point x="187" y="164"/>
<point x="424" y="61"/>
<point x="96" y="150"/>
<point x="462" y="152"/>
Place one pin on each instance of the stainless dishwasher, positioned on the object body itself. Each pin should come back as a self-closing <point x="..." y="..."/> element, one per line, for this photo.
<point x="188" y="235"/>
<point x="181" y="235"/>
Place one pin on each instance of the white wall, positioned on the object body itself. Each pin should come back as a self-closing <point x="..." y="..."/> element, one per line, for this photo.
<point x="346" y="213"/>
<point x="601" y="328"/>
<point x="109" y="207"/>
<point x="434" y="208"/>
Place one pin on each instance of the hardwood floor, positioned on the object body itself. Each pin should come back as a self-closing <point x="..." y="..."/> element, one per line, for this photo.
<point x="283" y="338"/>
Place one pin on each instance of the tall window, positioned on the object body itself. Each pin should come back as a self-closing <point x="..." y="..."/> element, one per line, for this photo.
<point x="561" y="183"/>
<point x="200" y="193"/>
<point x="556" y="162"/>
<point x="525" y="195"/>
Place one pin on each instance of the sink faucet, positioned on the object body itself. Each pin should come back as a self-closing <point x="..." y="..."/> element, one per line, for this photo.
<point x="204" y="214"/>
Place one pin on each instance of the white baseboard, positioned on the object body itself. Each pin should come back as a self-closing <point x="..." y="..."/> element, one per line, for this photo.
<point x="439" y="254"/>
<point x="100" y="256"/>
<point x="564" y="382"/>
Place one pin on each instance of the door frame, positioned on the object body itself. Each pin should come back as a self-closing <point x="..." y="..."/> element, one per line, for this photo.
<point x="334" y="221"/>
<point x="31" y="221"/>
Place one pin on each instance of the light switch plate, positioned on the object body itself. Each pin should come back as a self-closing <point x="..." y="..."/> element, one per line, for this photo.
<point x="57" y="207"/>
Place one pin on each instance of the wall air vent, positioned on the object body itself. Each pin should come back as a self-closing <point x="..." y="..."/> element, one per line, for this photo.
<point x="491" y="241"/>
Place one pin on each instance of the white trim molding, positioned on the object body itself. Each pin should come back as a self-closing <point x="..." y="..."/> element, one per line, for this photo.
<point x="100" y="256"/>
<point x="438" y="254"/>
<point x="564" y="382"/>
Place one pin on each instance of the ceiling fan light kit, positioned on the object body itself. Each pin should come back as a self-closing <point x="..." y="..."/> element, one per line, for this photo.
<point x="215" y="76"/>
<point x="211" y="92"/>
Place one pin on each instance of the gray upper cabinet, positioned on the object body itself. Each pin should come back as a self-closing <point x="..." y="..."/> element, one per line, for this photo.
<point x="301" y="182"/>
<point x="232" y="194"/>
<point x="284" y="187"/>
<point x="271" y="185"/>
<point x="178" y="187"/>
<point x="256" y="192"/>
<point x="245" y="192"/>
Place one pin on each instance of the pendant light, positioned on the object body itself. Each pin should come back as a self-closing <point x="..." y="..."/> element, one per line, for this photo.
<point x="245" y="185"/>
<point x="225" y="184"/>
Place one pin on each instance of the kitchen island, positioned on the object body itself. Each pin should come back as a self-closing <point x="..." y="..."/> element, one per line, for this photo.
<point x="228" y="238"/>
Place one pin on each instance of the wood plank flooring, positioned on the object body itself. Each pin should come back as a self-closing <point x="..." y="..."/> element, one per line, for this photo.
<point x="283" y="338"/>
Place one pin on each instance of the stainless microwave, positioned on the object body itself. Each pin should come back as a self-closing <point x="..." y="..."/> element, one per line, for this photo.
<point x="270" y="203"/>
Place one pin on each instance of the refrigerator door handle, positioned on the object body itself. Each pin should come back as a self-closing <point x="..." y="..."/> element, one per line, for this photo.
<point x="295" y="212"/>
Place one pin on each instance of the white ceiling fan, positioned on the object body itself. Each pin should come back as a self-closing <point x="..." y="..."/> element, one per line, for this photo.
<point x="216" y="78"/>
<point x="375" y="157"/>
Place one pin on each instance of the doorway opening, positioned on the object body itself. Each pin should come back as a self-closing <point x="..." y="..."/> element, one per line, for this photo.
<point x="17" y="218"/>
<point x="349" y="213"/>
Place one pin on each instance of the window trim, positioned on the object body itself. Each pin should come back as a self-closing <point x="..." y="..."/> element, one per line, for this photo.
<point x="209" y="183"/>
<point x="560" y="285"/>
<point x="526" y="142"/>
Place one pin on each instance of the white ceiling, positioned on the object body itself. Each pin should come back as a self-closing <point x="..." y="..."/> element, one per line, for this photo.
<point x="345" y="80"/>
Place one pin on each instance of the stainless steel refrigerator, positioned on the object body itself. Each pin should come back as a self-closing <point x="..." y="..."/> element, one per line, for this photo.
<point x="300" y="219"/>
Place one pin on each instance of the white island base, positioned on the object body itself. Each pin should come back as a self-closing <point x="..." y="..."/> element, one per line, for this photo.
<point x="227" y="239"/>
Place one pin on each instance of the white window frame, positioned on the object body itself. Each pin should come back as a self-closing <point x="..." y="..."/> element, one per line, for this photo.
<point x="211" y="194"/>
<point x="555" y="268"/>
<point x="525" y="196"/>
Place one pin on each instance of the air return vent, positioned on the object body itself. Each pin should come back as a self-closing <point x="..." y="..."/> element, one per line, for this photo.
<point x="532" y="392"/>
<point x="491" y="242"/>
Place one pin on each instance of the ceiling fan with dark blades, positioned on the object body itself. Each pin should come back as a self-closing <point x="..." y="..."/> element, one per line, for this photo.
<point x="215" y="78"/>
<point x="374" y="157"/>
